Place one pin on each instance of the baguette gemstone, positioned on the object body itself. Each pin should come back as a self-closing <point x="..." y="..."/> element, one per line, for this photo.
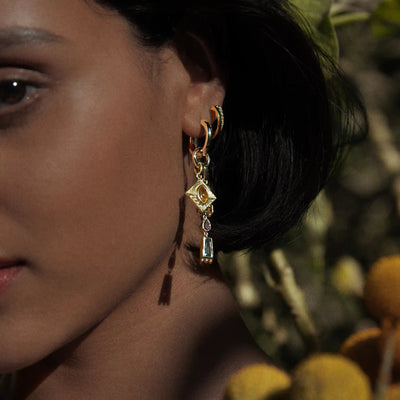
<point x="207" y="250"/>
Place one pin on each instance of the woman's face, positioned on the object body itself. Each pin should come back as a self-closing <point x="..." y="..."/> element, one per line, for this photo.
<point x="90" y="169"/>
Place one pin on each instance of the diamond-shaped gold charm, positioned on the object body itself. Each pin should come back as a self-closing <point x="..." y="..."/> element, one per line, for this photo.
<point x="201" y="195"/>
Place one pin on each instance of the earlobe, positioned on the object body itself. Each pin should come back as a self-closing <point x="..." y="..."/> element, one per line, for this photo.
<point x="206" y="87"/>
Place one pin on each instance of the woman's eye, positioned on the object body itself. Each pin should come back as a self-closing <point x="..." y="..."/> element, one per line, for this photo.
<point x="14" y="92"/>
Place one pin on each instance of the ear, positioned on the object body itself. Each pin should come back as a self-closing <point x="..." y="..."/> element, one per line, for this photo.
<point x="206" y="87"/>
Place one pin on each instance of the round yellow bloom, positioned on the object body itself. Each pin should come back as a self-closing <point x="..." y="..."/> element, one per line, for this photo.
<point x="364" y="349"/>
<point x="329" y="377"/>
<point x="257" y="382"/>
<point x="347" y="276"/>
<point x="382" y="288"/>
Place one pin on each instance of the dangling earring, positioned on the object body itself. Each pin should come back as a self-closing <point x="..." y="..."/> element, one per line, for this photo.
<point x="200" y="193"/>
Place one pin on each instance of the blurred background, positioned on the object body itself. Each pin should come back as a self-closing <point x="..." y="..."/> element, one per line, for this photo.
<point x="354" y="221"/>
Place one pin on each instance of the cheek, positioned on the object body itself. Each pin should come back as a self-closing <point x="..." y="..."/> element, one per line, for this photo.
<point x="96" y="167"/>
<point x="91" y="198"/>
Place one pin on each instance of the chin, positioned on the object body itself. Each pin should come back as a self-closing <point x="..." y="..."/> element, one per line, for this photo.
<point x="14" y="362"/>
<point x="16" y="355"/>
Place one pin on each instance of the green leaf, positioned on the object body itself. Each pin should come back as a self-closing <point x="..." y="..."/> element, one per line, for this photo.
<point x="349" y="18"/>
<point x="385" y="20"/>
<point x="317" y="15"/>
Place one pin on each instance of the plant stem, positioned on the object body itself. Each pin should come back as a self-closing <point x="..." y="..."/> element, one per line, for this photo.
<point x="293" y="297"/>
<point x="383" y="138"/>
<point x="385" y="371"/>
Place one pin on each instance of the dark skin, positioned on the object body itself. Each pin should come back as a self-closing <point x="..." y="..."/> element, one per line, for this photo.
<point x="92" y="177"/>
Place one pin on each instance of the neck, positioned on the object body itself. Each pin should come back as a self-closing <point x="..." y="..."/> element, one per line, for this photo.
<point x="143" y="350"/>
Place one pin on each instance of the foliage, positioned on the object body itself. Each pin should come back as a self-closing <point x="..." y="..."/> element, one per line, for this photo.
<point x="369" y="358"/>
<point x="353" y="223"/>
<point x="318" y="20"/>
<point x="386" y="18"/>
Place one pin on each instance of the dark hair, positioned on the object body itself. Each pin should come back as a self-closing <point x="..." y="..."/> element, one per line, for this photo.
<point x="285" y="124"/>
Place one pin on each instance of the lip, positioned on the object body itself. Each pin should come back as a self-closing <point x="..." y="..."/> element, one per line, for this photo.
<point x="9" y="269"/>
<point x="6" y="262"/>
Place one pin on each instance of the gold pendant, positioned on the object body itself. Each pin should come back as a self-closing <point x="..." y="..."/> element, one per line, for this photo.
<point x="201" y="195"/>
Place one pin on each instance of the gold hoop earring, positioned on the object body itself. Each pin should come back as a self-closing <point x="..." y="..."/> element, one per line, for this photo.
<point x="200" y="193"/>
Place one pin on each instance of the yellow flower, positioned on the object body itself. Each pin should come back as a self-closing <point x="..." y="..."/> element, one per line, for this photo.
<point x="257" y="382"/>
<point x="364" y="349"/>
<point x="329" y="377"/>
<point x="347" y="276"/>
<point x="382" y="288"/>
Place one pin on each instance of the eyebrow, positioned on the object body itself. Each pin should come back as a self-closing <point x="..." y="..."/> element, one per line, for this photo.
<point x="18" y="36"/>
